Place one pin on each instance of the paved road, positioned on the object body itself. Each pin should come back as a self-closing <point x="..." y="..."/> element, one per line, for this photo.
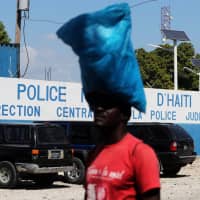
<point x="185" y="186"/>
<point x="59" y="191"/>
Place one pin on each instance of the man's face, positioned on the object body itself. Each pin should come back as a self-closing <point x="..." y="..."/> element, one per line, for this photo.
<point x="107" y="117"/>
<point x="106" y="108"/>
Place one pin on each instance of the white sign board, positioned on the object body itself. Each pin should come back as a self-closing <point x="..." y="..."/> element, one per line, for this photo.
<point x="170" y="106"/>
<point x="36" y="100"/>
<point x="24" y="99"/>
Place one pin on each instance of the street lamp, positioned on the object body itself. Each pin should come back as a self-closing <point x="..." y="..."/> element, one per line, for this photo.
<point x="175" y="36"/>
<point x="195" y="63"/>
<point x="160" y="47"/>
<point x="191" y="70"/>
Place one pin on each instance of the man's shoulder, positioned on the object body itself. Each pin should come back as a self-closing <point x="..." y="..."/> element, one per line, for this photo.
<point x="130" y="137"/>
<point x="130" y="141"/>
<point x="133" y="141"/>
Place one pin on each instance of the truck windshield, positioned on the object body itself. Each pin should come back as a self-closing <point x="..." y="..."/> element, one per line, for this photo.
<point x="52" y="135"/>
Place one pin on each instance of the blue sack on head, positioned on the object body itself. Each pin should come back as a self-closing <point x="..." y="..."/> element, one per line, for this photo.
<point x="102" y="40"/>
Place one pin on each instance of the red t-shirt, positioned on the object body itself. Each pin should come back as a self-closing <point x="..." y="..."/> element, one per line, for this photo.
<point x="121" y="168"/>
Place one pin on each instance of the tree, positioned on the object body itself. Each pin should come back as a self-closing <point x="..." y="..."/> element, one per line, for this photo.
<point x="4" y="38"/>
<point x="154" y="71"/>
<point x="157" y="67"/>
<point x="187" y="80"/>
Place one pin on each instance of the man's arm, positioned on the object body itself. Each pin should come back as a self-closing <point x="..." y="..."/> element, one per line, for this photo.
<point x="147" y="173"/>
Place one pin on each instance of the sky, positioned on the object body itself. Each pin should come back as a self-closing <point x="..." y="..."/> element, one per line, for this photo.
<point x="47" y="52"/>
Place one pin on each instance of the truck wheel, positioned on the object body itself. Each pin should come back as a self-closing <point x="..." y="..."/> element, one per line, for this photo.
<point x="8" y="175"/>
<point x="77" y="174"/>
<point x="171" y="172"/>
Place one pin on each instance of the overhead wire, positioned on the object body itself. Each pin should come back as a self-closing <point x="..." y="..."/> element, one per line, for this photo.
<point x="141" y="3"/>
<point x="55" y="22"/>
<point x="46" y="20"/>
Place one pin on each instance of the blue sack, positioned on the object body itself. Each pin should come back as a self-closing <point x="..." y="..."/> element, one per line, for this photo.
<point x="102" y="40"/>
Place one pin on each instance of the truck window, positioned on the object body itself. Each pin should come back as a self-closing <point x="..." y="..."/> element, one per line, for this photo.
<point x="17" y="134"/>
<point x="79" y="134"/>
<point x="52" y="135"/>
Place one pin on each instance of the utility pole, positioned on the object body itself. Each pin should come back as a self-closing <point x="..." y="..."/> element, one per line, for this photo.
<point x="18" y="24"/>
<point x="22" y="5"/>
<point x="18" y="36"/>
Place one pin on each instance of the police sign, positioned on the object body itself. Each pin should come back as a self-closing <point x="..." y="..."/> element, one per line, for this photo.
<point x="36" y="100"/>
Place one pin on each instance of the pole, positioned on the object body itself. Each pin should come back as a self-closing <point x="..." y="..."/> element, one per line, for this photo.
<point x="175" y="66"/>
<point x="17" y="36"/>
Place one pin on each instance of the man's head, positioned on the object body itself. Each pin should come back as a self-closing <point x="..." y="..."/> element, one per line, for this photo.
<point x="109" y="110"/>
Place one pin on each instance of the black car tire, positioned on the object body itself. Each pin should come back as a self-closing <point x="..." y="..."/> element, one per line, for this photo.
<point x="8" y="175"/>
<point x="77" y="174"/>
<point x="171" y="171"/>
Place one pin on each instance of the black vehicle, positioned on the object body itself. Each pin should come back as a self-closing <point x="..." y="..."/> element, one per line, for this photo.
<point x="83" y="137"/>
<point x="173" y="145"/>
<point x="33" y="151"/>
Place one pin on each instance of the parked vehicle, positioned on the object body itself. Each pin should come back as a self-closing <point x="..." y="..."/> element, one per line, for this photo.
<point x="33" y="151"/>
<point x="172" y="144"/>
<point x="83" y="136"/>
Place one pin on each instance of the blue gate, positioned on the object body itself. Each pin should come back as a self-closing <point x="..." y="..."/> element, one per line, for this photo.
<point x="9" y="60"/>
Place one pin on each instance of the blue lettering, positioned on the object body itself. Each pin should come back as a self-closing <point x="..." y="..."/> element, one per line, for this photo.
<point x="84" y="112"/>
<point x="74" y="112"/>
<point x="12" y="110"/>
<point x="58" y="111"/>
<point x="90" y="115"/>
<point x="160" y="99"/>
<point x="4" y="110"/>
<point x="31" y="92"/>
<point x="178" y="101"/>
<point x="65" y="112"/>
<point x="62" y="94"/>
<point x="20" y="88"/>
<point x="78" y="109"/>
<point x="29" y="111"/>
<point x="163" y="115"/>
<point x="19" y="110"/>
<point x="39" y="98"/>
<point x="36" y="111"/>
<point x="170" y="100"/>
<point x="51" y="90"/>
<point x="71" y="112"/>
<point x="136" y="115"/>
<point x="193" y="116"/>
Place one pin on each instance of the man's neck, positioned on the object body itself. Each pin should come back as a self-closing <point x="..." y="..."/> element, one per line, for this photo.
<point x="114" y="134"/>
